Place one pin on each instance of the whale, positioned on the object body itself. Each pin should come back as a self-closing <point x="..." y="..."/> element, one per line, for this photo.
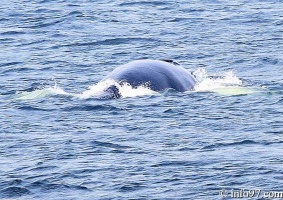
<point x="158" y="75"/>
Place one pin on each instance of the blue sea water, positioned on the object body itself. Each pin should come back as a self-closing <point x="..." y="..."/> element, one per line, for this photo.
<point x="57" y="142"/>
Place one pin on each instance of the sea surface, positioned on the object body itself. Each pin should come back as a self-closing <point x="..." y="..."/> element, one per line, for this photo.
<point x="220" y="141"/>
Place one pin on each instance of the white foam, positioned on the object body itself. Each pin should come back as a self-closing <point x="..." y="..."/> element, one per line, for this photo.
<point x="40" y="93"/>
<point x="226" y="83"/>
<point x="97" y="89"/>
<point x="126" y="90"/>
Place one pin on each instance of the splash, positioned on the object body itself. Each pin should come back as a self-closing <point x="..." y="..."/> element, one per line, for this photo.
<point x="228" y="84"/>
<point x="126" y="90"/>
<point x="40" y="93"/>
<point x="97" y="89"/>
<point x="94" y="91"/>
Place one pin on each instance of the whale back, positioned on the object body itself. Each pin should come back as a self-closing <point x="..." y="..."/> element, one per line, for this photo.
<point x="156" y="74"/>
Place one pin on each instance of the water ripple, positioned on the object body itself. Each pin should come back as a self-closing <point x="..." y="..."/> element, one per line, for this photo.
<point x="240" y="143"/>
<point x="93" y="108"/>
<point x="35" y="108"/>
<point x="108" y="145"/>
<point x="144" y="3"/>
<point x="116" y="41"/>
<point x="13" y="192"/>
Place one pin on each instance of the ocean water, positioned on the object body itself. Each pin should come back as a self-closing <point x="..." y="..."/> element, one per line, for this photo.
<point x="220" y="141"/>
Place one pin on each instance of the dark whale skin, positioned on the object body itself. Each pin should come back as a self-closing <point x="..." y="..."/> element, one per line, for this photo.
<point x="156" y="74"/>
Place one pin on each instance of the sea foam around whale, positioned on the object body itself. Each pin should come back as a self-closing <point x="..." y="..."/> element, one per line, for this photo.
<point x="225" y="83"/>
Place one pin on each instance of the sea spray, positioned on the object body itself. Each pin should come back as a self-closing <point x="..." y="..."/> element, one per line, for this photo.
<point x="226" y="83"/>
